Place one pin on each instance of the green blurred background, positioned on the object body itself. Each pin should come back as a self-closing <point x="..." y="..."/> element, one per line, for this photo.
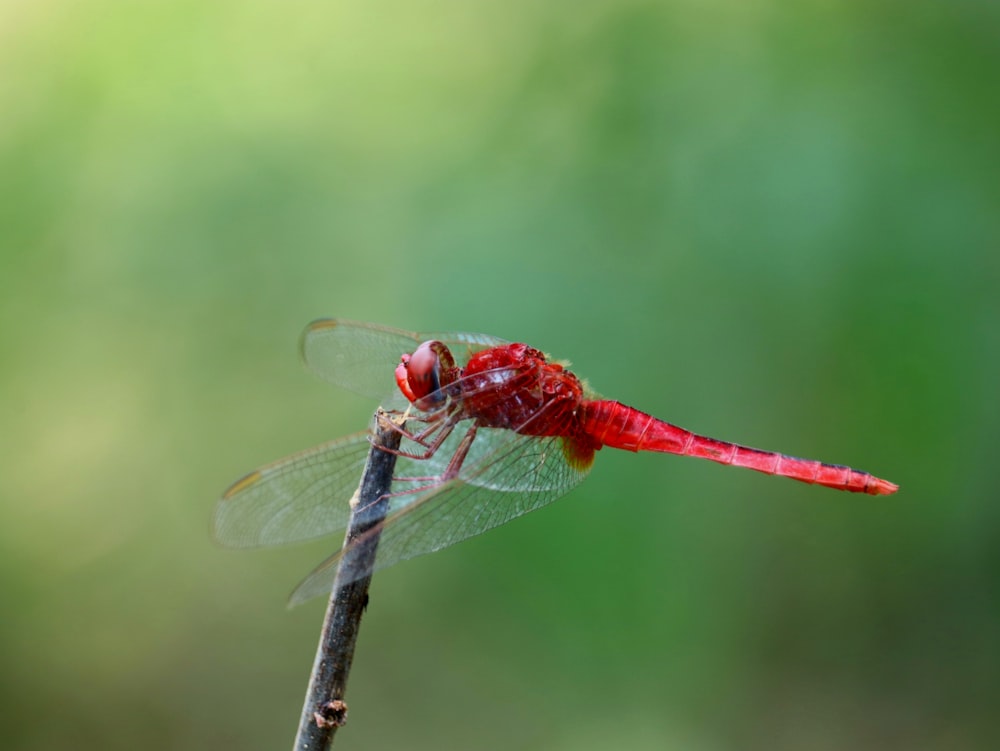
<point x="773" y="222"/>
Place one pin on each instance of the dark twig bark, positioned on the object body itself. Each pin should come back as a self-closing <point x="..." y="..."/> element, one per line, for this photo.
<point x="324" y="710"/>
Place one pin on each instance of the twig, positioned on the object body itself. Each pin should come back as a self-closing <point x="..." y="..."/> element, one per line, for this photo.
<point x="324" y="709"/>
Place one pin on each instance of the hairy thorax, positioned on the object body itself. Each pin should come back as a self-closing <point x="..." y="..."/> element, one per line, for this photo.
<point x="515" y="387"/>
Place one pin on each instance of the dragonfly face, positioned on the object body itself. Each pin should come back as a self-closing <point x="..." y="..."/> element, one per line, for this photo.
<point x="421" y="375"/>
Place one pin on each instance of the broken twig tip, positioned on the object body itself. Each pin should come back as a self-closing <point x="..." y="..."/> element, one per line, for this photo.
<point x="333" y="714"/>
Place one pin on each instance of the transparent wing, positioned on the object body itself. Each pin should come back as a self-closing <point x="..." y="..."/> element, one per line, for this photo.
<point x="307" y="495"/>
<point x="363" y="357"/>
<point x="506" y="475"/>
<point x="304" y="496"/>
<point x="297" y="498"/>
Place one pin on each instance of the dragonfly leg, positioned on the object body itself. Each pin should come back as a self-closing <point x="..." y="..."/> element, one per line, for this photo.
<point x="443" y="430"/>
<point x="450" y="472"/>
<point x="421" y="438"/>
<point x="435" y="420"/>
<point x="460" y="453"/>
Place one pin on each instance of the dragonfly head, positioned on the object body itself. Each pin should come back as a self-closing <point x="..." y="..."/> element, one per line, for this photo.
<point x="422" y="375"/>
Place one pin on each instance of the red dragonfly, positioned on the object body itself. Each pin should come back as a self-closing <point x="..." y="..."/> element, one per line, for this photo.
<point x="501" y="430"/>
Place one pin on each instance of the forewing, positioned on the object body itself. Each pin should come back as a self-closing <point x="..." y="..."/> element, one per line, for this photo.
<point x="363" y="357"/>
<point x="463" y="345"/>
<point x="306" y="495"/>
<point x="357" y="356"/>
<point x="301" y="497"/>
<point x="505" y="476"/>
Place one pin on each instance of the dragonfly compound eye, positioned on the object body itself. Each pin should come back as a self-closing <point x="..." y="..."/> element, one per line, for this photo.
<point x="423" y="371"/>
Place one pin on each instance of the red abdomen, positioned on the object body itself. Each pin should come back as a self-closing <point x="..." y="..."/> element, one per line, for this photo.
<point x="611" y="423"/>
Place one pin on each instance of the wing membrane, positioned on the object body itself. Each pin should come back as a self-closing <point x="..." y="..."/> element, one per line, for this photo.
<point x="306" y="495"/>
<point x="362" y="357"/>
<point x="511" y="475"/>
<point x="298" y="498"/>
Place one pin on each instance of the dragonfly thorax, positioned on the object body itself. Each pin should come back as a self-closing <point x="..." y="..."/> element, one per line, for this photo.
<point x="515" y="387"/>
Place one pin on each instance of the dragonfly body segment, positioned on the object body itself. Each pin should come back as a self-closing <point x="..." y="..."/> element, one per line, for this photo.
<point x="515" y="387"/>
<point x="617" y="425"/>
<point x="495" y="429"/>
